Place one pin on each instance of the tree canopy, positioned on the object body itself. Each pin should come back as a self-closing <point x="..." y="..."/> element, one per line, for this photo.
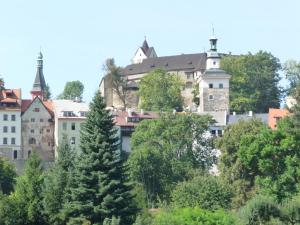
<point x="7" y="176"/>
<point x="291" y="69"/>
<point x="164" y="150"/>
<point x="160" y="91"/>
<point x="254" y="84"/>
<point x="72" y="90"/>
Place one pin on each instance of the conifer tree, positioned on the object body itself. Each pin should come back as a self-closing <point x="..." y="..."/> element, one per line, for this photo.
<point x="100" y="188"/>
<point x="28" y="195"/>
<point x="57" y="182"/>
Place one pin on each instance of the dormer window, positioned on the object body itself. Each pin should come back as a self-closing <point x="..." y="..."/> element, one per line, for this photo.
<point x="82" y="114"/>
<point x="68" y="114"/>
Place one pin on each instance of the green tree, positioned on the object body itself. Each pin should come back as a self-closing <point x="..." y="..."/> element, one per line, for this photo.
<point x="7" y="176"/>
<point x="164" y="150"/>
<point x="204" y="191"/>
<point x="254" y="84"/>
<point x="231" y="167"/>
<point x="291" y="69"/>
<point x="273" y="156"/>
<point x="72" y="90"/>
<point x="24" y="206"/>
<point x="193" y="216"/>
<point x="57" y="182"/>
<point x="119" y="82"/>
<point x="100" y="188"/>
<point x="260" y="210"/>
<point x="48" y="94"/>
<point x="160" y="91"/>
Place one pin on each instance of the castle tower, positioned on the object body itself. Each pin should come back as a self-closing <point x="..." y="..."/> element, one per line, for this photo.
<point x="39" y="84"/>
<point x="214" y="83"/>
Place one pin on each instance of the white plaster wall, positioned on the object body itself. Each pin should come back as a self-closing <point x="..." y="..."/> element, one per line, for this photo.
<point x="139" y="56"/>
<point x="6" y="150"/>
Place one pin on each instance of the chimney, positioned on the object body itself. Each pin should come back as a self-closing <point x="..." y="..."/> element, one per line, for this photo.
<point x="250" y="113"/>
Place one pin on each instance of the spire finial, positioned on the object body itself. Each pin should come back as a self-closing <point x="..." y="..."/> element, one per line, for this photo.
<point x="145" y="37"/>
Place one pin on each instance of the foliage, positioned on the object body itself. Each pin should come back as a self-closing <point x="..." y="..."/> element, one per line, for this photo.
<point x="57" y="182"/>
<point x="291" y="69"/>
<point x="100" y="188"/>
<point x="165" y="149"/>
<point x="72" y="90"/>
<point x="195" y="93"/>
<point x="274" y="158"/>
<point x="231" y="168"/>
<point x="204" y="191"/>
<point x="24" y="206"/>
<point x="193" y="216"/>
<point x="254" y="82"/>
<point x="260" y="210"/>
<point x="48" y="94"/>
<point x="290" y="211"/>
<point x="160" y="91"/>
<point x="7" y="176"/>
<point x="119" y="82"/>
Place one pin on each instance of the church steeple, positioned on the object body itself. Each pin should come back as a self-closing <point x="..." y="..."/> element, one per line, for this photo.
<point x="39" y="84"/>
<point x="213" y="57"/>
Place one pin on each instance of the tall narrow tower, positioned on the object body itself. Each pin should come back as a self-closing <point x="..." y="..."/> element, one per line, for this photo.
<point x="39" y="85"/>
<point x="214" y="83"/>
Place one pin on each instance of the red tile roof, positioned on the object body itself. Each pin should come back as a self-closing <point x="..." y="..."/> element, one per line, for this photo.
<point x="275" y="115"/>
<point x="121" y="117"/>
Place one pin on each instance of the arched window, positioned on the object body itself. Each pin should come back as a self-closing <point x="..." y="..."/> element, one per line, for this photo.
<point x="32" y="141"/>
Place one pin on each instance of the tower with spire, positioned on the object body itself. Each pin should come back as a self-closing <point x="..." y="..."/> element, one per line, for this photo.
<point x="143" y="52"/>
<point x="213" y="83"/>
<point x="39" y="85"/>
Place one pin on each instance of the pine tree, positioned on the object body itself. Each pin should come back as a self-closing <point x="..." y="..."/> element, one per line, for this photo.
<point x="100" y="188"/>
<point x="57" y="182"/>
<point x="28" y="194"/>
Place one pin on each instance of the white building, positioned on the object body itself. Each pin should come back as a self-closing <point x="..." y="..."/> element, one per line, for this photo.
<point x="69" y="117"/>
<point x="10" y="124"/>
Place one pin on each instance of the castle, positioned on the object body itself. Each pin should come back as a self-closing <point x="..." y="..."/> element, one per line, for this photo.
<point x="201" y="69"/>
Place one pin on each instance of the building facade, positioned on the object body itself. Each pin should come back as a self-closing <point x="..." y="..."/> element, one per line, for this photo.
<point x="10" y="124"/>
<point x="69" y="116"/>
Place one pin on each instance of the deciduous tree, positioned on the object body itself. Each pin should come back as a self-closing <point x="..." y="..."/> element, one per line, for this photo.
<point x="72" y="90"/>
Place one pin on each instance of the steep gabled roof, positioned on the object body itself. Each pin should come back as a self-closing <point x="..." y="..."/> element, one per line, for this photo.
<point x="186" y="62"/>
<point x="39" y="81"/>
<point x="26" y="103"/>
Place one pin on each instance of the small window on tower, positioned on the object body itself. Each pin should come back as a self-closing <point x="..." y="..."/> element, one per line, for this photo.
<point x="214" y="63"/>
<point x="220" y="85"/>
<point x="210" y="97"/>
<point x="211" y="86"/>
<point x="36" y="109"/>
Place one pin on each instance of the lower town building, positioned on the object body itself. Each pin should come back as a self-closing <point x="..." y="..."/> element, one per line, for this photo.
<point x="69" y="118"/>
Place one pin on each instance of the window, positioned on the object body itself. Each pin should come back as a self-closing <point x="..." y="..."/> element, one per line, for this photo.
<point x="15" y="154"/>
<point x="83" y="114"/>
<point x="5" y="117"/>
<point x="36" y="109"/>
<point x="210" y="97"/>
<point x="41" y="120"/>
<point x="5" y="129"/>
<point x="73" y="141"/>
<point x="64" y="126"/>
<point x="220" y="85"/>
<point x="73" y="126"/>
<point x="214" y="62"/>
<point x="13" y="117"/>
<point x="189" y="85"/>
<point x="13" y="141"/>
<point x="32" y="141"/>
<point x="68" y="114"/>
<point x="48" y="130"/>
<point x="13" y="129"/>
<point x="219" y="132"/>
<point x="29" y="153"/>
<point x="189" y="75"/>
<point x="211" y="86"/>
<point x="32" y="120"/>
<point x="213" y="132"/>
<point x="32" y="131"/>
<point x="5" y="141"/>
<point x="41" y="130"/>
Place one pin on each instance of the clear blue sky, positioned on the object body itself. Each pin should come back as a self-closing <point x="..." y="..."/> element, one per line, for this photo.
<point x="76" y="36"/>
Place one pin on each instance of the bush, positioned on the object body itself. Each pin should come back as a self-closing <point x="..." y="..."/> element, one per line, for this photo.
<point x="193" y="216"/>
<point x="204" y="191"/>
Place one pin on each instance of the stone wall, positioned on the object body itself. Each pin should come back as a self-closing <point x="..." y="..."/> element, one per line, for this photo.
<point x="220" y="101"/>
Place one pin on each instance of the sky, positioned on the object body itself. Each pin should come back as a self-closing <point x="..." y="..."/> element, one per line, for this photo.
<point x="77" y="36"/>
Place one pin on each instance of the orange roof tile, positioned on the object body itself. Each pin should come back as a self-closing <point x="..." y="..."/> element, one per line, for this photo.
<point x="275" y="115"/>
<point x="120" y="117"/>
